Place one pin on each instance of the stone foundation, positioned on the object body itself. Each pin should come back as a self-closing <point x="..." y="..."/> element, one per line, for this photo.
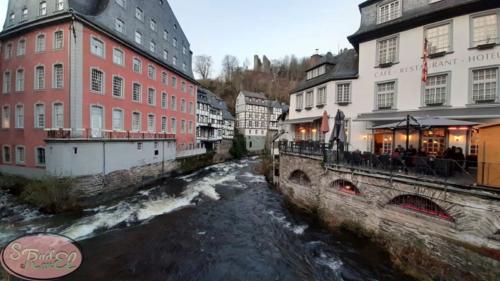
<point x="97" y="189"/>
<point x="464" y="247"/>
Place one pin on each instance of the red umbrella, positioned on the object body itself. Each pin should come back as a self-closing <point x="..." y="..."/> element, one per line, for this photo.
<point x="325" y="127"/>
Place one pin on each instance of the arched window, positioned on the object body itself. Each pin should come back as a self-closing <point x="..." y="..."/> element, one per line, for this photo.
<point x="301" y="178"/>
<point x="345" y="186"/>
<point x="421" y="205"/>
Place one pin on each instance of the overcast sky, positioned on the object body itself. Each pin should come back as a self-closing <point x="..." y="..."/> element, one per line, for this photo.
<point x="265" y="27"/>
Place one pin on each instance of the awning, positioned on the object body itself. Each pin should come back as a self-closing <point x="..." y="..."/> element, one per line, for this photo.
<point x="427" y="123"/>
<point x="462" y="113"/>
<point x="302" y="120"/>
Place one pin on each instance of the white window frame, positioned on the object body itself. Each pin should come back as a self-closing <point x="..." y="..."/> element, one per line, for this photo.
<point x="151" y="72"/>
<point x="59" y="5"/>
<point x="164" y="100"/>
<point x="19" y="116"/>
<point x="39" y="84"/>
<point x="394" y="95"/>
<point x="321" y="96"/>
<point x="299" y="101"/>
<point x="122" y="86"/>
<point x="151" y="126"/>
<point x="103" y="81"/>
<point x="94" y="48"/>
<point x="387" y="59"/>
<point x="471" y="83"/>
<point x="57" y="82"/>
<point x="140" y="91"/>
<point x="119" y="25"/>
<point x="40" y="43"/>
<point x="309" y="99"/>
<point x="36" y="119"/>
<point x="138" y="37"/>
<point x="139" y="14"/>
<point x="6" y="82"/>
<point x="58" y="117"/>
<point x="6" y="117"/>
<point x="391" y="14"/>
<point x="153" y="100"/>
<point x="133" y="126"/>
<point x="121" y="126"/>
<point x="341" y="97"/>
<point x="21" y="47"/>
<point x="449" y="37"/>
<point x="136" y="60"/>
<point x="433" y="90"/>
<point x="58" y="43"/>
<point x="473" y="43"/>
<point x="4" y="156"/>
<point x="117" y="51"/>
<point x="20" y="161"/>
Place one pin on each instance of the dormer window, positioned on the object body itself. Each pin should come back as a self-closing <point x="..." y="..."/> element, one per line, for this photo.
<point x="12" y="18"/>
<point x="139" y="14"/>
<point x="25" y="14"/>
<point x="43" y="8"/>
<point x="59" y="5"/>
<point x="318" y="71"/>
<point x="389" y="11"/>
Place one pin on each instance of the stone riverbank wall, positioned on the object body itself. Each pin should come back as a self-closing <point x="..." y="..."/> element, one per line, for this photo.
<point x="454" y="234"/>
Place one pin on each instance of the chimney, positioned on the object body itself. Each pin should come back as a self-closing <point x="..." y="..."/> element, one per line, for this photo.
<point x="315" y="59"/>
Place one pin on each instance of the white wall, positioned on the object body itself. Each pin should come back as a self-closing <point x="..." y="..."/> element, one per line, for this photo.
<point x="408" y="70"/>
<point x="104" y="157"/>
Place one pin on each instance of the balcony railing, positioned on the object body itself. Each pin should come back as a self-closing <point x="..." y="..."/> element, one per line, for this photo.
<point x="462" y="173"/>
<point x="95" y="134"/>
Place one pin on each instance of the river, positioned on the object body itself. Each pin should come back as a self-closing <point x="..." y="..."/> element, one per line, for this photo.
<point x="220" y="223"/>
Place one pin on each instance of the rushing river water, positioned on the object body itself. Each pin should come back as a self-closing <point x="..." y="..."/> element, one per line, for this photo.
<point x="220" y="223"/>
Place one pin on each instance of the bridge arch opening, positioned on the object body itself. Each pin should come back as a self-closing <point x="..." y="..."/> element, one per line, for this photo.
<point x="346" y="187"/>
<point x="421" y="205"/>
<point x="299" y="177"/>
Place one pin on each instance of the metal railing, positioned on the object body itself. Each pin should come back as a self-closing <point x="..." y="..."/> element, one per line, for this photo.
<point x="458" y="172"/>
<point x="93" y="134"/>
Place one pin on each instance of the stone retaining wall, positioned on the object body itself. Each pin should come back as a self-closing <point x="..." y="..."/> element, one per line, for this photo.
<point x="465" y="248"/>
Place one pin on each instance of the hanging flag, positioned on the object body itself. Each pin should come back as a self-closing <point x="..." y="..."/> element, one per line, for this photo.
<point x="425" y="68"/>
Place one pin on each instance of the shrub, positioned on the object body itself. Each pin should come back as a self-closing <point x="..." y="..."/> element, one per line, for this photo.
<point x="239" y="148"/>
<point x="50" y="194"/>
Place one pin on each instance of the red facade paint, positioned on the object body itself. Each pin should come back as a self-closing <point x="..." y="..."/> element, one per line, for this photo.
<point x="31" y="138"/>
<point x="108" y="102"/>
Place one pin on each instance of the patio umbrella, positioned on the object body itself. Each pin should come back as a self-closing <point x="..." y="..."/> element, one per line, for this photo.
<point x="325" y="126"/>
<point x="338" y="133"/>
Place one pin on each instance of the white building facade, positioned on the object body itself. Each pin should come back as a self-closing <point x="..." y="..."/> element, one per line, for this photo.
<point x="331" y="84"/>
<point x="463" y="70"/>
<point x="252" y="119"/>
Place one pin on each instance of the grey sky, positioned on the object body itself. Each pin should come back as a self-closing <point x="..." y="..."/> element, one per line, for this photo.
<point x="272" y="27"/>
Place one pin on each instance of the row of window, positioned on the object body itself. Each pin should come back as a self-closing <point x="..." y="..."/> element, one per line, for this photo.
<point x="343" y="96"/>
<point x="39" y="121"/>
<point x="137" y="126"/>
<point x="97" y="48"/>
<point x="153" y="26"/>
<point x="39" y="79"/>
<point x="484" y="33"/>
<point x="436" y="92"/>
<point x="20" y="155"/>
<point x="42" y="11"/>
<point x="118" y="91"/>
<point x="40" y="45"/>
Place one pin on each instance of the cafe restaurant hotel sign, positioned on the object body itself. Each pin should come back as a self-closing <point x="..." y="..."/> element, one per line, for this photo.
<point x="41" y="257"/>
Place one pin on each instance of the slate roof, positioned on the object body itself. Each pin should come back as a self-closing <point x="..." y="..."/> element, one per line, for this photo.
<point x="254" y="95"/>
<point x="414" y="14"/>
<point x="345" y="67"/>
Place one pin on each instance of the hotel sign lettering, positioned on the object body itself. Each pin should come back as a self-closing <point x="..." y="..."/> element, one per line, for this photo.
<point x="439" y="64"/>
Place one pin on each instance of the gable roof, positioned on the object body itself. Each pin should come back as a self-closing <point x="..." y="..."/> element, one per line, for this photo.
<point x="345" y="66"/>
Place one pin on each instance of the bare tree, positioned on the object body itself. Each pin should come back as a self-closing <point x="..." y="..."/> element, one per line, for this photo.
<point x="229" y="66"/>
<point x="203" y="66"/>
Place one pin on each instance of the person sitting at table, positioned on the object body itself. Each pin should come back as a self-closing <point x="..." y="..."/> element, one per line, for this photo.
<point x="396" y="153"/>
<point x="422" y="153"/>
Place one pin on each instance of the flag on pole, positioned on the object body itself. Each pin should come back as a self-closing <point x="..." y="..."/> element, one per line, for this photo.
<point x="425" y="68"/>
